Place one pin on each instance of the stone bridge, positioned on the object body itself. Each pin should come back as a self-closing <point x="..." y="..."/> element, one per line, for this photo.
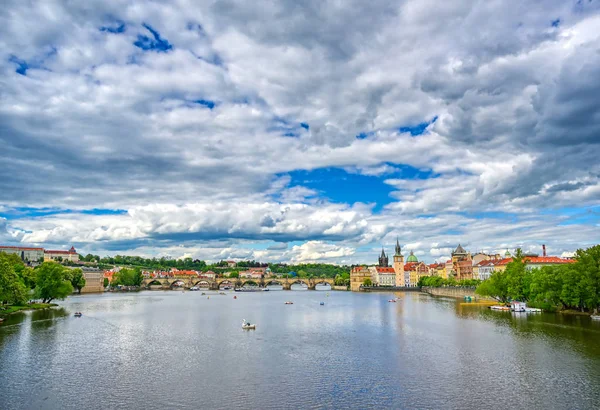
<point x="220" y="283"/>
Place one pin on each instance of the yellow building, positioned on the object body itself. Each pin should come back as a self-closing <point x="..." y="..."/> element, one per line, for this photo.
<point x="358" y="275"/>
<point x="401" y="279"/>
<point x="71" y="255"/>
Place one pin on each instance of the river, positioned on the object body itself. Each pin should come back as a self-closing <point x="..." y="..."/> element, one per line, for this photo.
<point x="168" y="349"/>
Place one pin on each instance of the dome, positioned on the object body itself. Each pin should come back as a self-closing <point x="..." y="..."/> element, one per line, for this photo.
<point x="412" y="257"/>
<point x="507" y="254"/>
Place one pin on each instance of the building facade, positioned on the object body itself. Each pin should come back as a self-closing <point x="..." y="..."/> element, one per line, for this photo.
<point x="71" y="255"/>
<point x="383" y="276"/>
<point x="26" y="254"/>
<point x="94" y="280"/>
<point x="462" y="263"/>
<point x="358" y="274"/>
<point x="383" y="259"/>
<point x="399" y="265"/>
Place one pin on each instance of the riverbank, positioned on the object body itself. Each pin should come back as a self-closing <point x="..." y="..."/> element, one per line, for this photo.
<point x="7" y="310"/>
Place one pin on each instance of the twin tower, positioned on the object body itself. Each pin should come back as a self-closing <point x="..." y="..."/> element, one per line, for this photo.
<point x="401" y="280"/>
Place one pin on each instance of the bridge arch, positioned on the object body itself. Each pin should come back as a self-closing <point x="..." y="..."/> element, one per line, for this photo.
<point x="177" y="283"/>
<point x="274" y="282"/>
<point x="227" y="283"/>
<point x="154" y="282"/>
<point x="202" y="284"/>
<point x="250" y="282"/>
<point x="303" y="283"/>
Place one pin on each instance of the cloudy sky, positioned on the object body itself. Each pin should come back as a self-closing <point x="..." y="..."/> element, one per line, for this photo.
<point x="278" y="131"/>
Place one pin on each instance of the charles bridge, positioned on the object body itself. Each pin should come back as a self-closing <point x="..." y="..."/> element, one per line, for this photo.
<point x="220" y="283"/>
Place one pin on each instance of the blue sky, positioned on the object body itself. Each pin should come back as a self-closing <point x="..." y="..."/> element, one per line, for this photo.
<point x="283" y="134"/>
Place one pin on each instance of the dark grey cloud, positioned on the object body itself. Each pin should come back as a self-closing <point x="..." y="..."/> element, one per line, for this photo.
<point x="97" y="122"/>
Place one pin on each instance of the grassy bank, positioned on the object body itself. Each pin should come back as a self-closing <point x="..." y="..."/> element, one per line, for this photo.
<point x="6" y="310"/>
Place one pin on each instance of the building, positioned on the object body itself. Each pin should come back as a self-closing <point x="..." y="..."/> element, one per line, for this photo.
<point x="207" y="275"/>
<point x="94" y="280"/>
<point x="383" y="276"/>
<point x="541" y="261"/>
<point x="252" y="274"/>
<point x="485" y="268"/>
<point x="399" y="265"/>
<point x="71" y="255"/>
<point x="383" y="259"/>
<point x="415" y="271"/>
<point x="358" y="275"/>
<point x="462" y="263"/>
<point x="26" y="254"/>
<point x="231" y="264"/>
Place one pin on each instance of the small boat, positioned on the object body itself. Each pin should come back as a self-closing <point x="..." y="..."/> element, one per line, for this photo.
<point x="203" y="294"/>
<point x="227" y="288"/>
<point x="77" y="314"/>
<point x="533" y="310"/>
<point x="500" y="308"/>
<point x="595" y="317"/>
<point x="221" y="293"/>
<point x="247" y="325"/>
<point x="1" y="320"/>
<point x="289" y="303"/>
<point x="322" y="303"/>
<point x="234" y="296"/>
<point x="194" y="288"/>
<point x="392" y="300"/>
<point x="265" y="289"/>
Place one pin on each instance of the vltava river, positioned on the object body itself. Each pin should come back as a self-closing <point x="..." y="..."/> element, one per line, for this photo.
<point x="158" y="350"/>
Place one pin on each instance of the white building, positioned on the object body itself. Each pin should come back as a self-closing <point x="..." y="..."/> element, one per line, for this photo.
<point x="26" y="254"/>
<point x="383" y="276"/>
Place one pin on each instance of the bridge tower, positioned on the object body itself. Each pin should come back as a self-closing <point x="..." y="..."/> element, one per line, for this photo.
<point x="399" y="265"/>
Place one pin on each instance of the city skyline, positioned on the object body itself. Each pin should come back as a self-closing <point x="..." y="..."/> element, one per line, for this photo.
<point x="243" y="133"/>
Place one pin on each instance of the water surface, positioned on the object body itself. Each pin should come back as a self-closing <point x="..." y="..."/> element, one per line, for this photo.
<point x="156" y="350"/>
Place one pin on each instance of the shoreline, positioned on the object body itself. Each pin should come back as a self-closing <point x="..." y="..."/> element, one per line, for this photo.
<point x="34" y="306"/>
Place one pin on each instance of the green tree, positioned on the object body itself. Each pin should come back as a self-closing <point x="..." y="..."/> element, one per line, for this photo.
<point x="234" y="275"/>
<point x="106" y="282"/>
<point x="367" y="282"/>
<point x="12" y="289"/>
<point x="496" y="286"/>
<point x="28" y="275"/>
<point x="52" y="282"/>
<point x="77" y="279"/>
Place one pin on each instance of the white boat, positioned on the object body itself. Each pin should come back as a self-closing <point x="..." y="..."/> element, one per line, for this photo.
<point x="518" y="306"/>
<point x="497" y="307"/>
<point x="194" y="288"/>
<point x="595" y="317"/>
<point x="533" y="310"/>
<point x="247" y="325"/>
<point x="289" y="303"/>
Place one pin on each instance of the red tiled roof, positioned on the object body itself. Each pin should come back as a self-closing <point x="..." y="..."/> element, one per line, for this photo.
<point x="410" y="265"/>
<point x="547" y="259"/>
<point x="21" y="248"/>
<point x="61" y="252"/>
<point x="385" y="269"/>
<point x="487" y="263"/>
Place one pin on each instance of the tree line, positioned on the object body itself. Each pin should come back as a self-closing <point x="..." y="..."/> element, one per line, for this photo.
<point x="438" y="281"/>
<point x="46" y="282"/>
<point x="574" y="286"/>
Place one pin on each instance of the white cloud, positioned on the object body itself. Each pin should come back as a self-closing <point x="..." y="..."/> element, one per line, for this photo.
<point x="99" y="123"/>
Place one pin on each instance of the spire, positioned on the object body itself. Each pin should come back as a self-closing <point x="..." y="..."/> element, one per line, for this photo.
<point x="382" y="252"/>
<point x="398" y="249"/>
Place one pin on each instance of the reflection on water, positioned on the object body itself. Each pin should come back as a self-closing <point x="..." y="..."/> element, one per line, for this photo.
<point x="166" y="349"/>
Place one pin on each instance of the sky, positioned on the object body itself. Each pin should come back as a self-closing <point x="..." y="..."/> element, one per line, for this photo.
<point x="300" y="132"/>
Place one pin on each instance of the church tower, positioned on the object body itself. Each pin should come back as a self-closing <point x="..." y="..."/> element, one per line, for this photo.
<point x="383" y="260"/>
<point x="399" y="265"/>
